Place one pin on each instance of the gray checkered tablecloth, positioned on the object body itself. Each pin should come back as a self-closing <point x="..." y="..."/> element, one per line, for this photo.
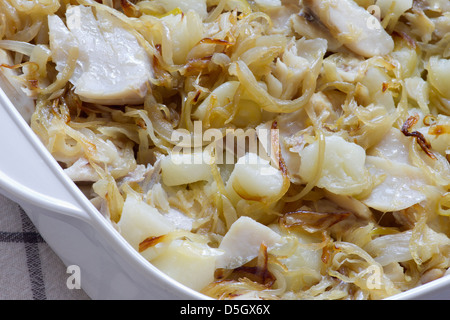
<point x="29" y="269"/>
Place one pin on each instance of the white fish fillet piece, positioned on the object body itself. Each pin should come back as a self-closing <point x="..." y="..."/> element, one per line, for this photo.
<point x="242" y="242"/>
<point x="355" y="27"/>
<point x="404" y="184"/>
<point x="112" y="67"/>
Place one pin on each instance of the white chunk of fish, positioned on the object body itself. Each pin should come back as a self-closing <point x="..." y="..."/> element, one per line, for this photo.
<point x="140" y="220"/>
<point x="112" y="67"/>
<point x="352" y="25"/>
<point x="403" y="184"/>
<point x="242" y="242"/>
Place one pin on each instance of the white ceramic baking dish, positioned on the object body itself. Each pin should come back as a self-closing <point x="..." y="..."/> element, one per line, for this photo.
<point x="76" y="231"/>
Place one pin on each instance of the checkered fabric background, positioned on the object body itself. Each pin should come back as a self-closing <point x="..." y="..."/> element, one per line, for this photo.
<point x="29" y="269"/>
